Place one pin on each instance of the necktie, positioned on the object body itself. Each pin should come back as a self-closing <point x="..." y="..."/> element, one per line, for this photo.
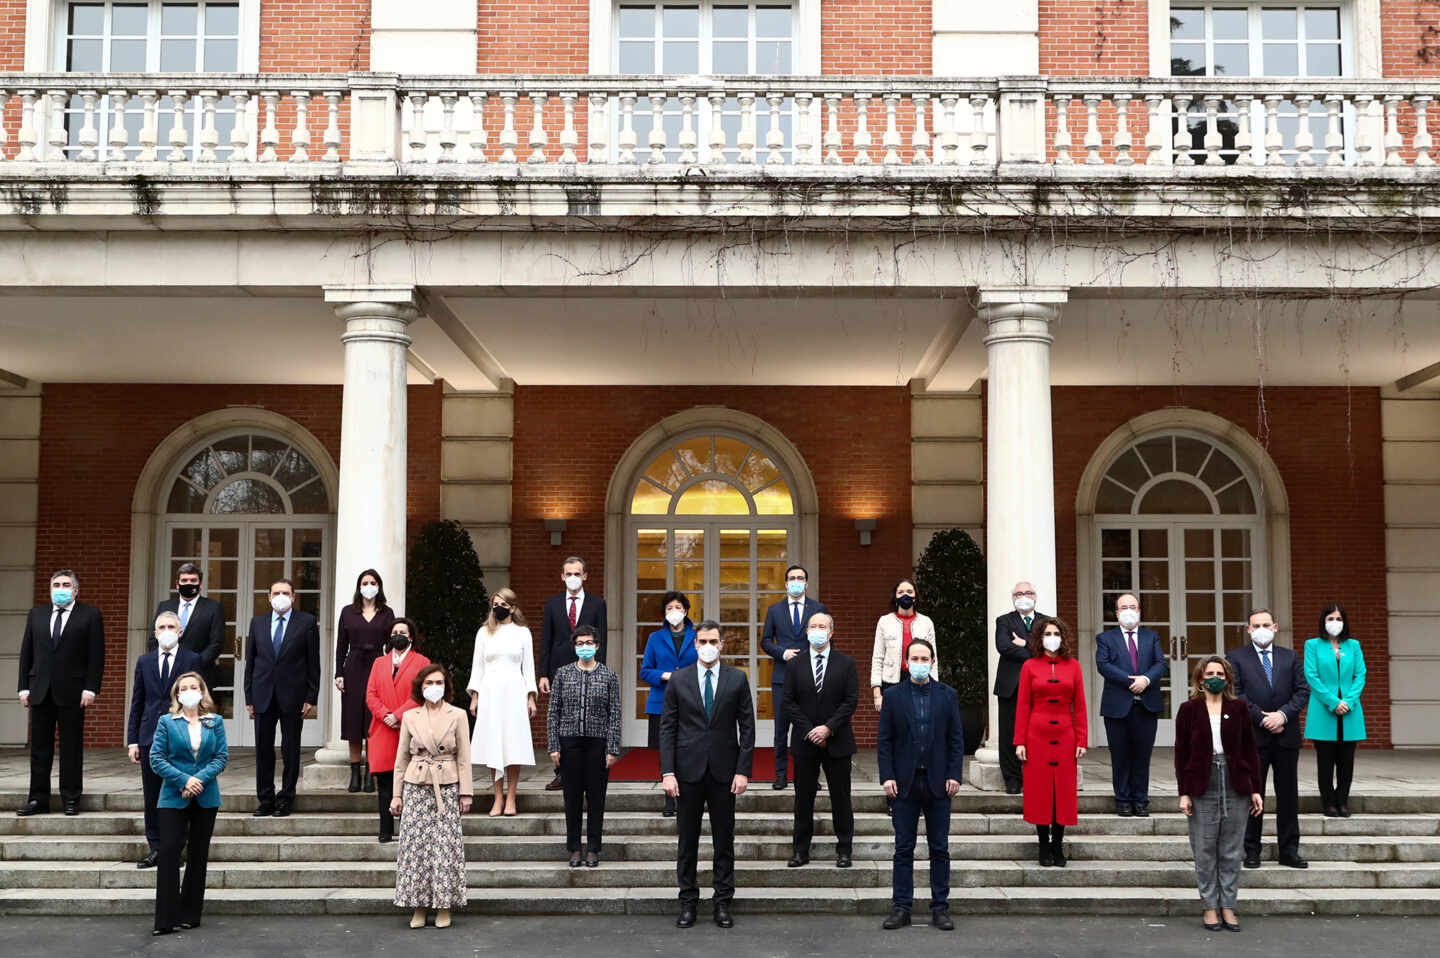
<point x="58" y="627"/>
<point x="795" y="615"/>
<point x="709" y="693"/>
<point x="165" y="671"/>
<point x="573" y="615"/>
<point x="1269" y="669"/>
<point x="184" y="615"/>
<point x="819" y="671"/>
<point x="279" y="634"/>
<point x="1027" y="623"/>
<point x="1134" y="652"/>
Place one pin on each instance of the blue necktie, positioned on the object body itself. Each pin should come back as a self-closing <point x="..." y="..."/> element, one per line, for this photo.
<point x="795" y="614"/>
<point x="184" y="616"/>
<point x="1269" y="669"/>
<point x="709" y="693"/>
<point x="279" y="634"/>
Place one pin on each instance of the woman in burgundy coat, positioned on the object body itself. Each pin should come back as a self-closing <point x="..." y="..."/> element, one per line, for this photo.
<point x="1218" y="771"/>
<point x="1051" y="732"/>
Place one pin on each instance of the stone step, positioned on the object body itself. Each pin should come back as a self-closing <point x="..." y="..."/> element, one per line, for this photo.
<point x="820" y="873"/>
<point x="659" y="900"/>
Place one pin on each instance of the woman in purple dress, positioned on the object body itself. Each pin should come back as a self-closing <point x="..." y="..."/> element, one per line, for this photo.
<point x="360" y="638"/>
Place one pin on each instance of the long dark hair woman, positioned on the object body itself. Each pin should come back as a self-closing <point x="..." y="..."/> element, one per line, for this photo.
<point x="388" y="696"/>
<point x="1051" y="734"/>
<point x="1334" y="720"/>
<point x="360" y="637"/>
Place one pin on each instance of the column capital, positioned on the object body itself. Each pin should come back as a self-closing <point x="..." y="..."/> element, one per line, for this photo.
<point x="374" y="313"/>
<point x="1020" y="313"/>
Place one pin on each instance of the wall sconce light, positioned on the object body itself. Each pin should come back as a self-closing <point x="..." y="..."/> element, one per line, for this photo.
<point x="864" y="527"/>
<point x="556" y="528"/>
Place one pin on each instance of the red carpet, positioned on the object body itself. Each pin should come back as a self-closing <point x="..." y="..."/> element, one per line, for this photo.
<point x="643" y="765"/>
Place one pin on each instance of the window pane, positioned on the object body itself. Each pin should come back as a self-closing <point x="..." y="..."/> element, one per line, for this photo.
<point x="1322" y="24"/>
<point x="202" y="470"/>
<point x="1322" y="59"/>
<point x="221" y="56"/>
<point x="1282" y="60"/>
<point x="1232" y="24"/>
<point x="1278" y="23"/>
<point x="1232" y="60"/>
<point x="758" y="471"/>
<point x="179" y="19"/>
<point x="222" y="19"/>
<point x="310" y="498"/>
<point x="712" y="498"/>
<point x="637" y="21"/>
<point x="1237" y="500"/>
<point x="680" y="22"/>
<point x="1175" y="497"/>
<point x="295" y="470"/>
<point x="87" y="18"/>
<point x="729" y="453"/>
<point x="1220" y="471"/>
<point x="1187" y="24"/>
<point x="127" y="56"/>
<point x="185" y="498"/>
<point x="247" y="495"/>
<point x="772" y="56"/>
<point x="772" y="22"/>
<point x="681" y="56"/>
<point x="265" y="454"/>
<point x="1187" y="59"/>
<point x="83" y="56"/>
<point x="774" y="500"/>
<point x="730" y="57"/>
<point x="731" y="22"/>
<point x="1199" y="543"/>
<point x="772" y="544"/>
<point x="177" y="55"/>
<point x="232" y="453"/>
<point x="649" y="500"/>
<point x="1128" y="471"/>
<point x="1115" y="542"/>
<point x="1157" y="454"/>
<point x="1112" y="498"/>
<point x="665" y="471"/>
<point x="637" y="56"/>
<point x="735" y="544"/>
<point x="185" y="543"/>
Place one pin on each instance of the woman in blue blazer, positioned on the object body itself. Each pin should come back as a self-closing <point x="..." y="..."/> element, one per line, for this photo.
<point x="669" y="649"/>
<point x="1335" y="671"/>
<point x="188" y="754"/>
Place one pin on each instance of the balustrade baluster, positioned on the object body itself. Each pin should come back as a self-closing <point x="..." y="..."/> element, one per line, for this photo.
<point x="57" y="137"/>
<point x="1244" y="135"/>
<point x="920" y="137"/>
<point x="774" y="135"/>
<point x="597" y="149"/>
<point x="269" y="134"/>
<point x="1274" y="140"/>
<point x="300" y="136"/>
<point x="448" y="139"/>
<point x="1183" y="139"/>
<point x="891" y="139"/>
<point x="717" y="127"/>
<point x="569" y="138"/>
<point x="1394" y="143"/>
<point x="4" y="133"/>
<point x="804" y="139"/>
<point x="1423" y="141"/>
<point x="118" y="137"/>
<point x="1156" y="136"/>
<point x="27" y="137"/>
<point x="1092" y="129"/>
<point x="1334" y="142"/>
<point x="1122" y="130"/>
<point x="240" y="129"/>
<point x="862" y="130"/>
<point x="479" y="137"/>
<point x="949" y="140"/>
<point x="833" y="139"/>
<point x="979" y="138"/>
<point x="89" y="135"/>
<point x="627" y="138"/>
<point x="747" y="138"/>
<point x="209" y="137"/>
<point x="1364" y="130"/>
<point x="1063" y="141"/>
<point x="659" y="140"/>
<point x="539" y="139"/>
<point x="1213" y="139"/>
<point x="1304" y="136"/>
<point x="419" y="138"/>
<point x="509" y="138"/>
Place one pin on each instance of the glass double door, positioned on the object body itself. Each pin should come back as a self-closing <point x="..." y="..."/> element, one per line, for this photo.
<point x="730" y="573"/>
<point x="240" y="561"/>
<point x="1196" y="584"/>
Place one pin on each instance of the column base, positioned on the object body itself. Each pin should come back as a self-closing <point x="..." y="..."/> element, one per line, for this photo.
<point x="983" y="771"/>
<point x="329" y="770"/>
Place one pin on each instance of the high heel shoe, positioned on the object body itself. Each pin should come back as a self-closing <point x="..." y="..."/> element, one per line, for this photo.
<point x="417" y="920"/>
<point x="354" y="785"/>
<point x="442" y="918"/>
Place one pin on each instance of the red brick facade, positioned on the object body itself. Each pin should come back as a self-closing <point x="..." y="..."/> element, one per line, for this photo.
<point x="1095" y="38"/>
<point x="314" y="36"/>
<point x="1410" y="37"/>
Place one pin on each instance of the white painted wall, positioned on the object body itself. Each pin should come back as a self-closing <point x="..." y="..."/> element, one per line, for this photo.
<point x="477" y="436"/>
<point x="434" y="36"/>
<point x="974" y="38"/>
<point x="946" y="476"/>
<point x="19" y="492"/>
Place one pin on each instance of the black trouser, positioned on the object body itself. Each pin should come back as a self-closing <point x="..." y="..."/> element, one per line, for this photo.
<point x="179" y="827"/>
<point x="384" y="791"/>
<point x="1335" y="767"/>
<point x="291" y="724"/>
<point x="45" y="716"/>
<point x="782" y="732"/>
<point x="585" y="778"/>
<point x="1009" y="761"/>
<point x="1286" y="765"/>
<point x="150" y="784"/>
<point x="694" y="798"/>
<point x="808" y="763"/>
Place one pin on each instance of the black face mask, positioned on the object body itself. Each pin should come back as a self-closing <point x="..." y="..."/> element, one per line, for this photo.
<point x="501" y="613"/>
<point x="905" y="601"/>
<point x="399" y="642"/>
<point x="189" y="590"/>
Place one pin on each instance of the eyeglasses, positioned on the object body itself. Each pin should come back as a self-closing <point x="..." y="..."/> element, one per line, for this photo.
<point x="1018" y="595"/>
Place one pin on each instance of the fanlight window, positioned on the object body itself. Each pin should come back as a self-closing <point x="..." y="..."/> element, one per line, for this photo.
<point x="1175" y="475"/>
<point x="249" y="474"/>
<point x="712" y="475"/>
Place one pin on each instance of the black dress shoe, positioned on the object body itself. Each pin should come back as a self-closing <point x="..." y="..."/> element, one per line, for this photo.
<point x="1252" y="860"/>
<point x="1141" y="811"/>
<point x="897" y="919"/>
<point x="842" y="860"/>
<point x="1124" y="811"/>
<point x="386" y="838"/>
<point x="779" y="783"/>
<point x="1216" y="926"/>
<point x="265" y="810"/>
<point x="798" y="860"/>
<point x="577" y="859"/>
<point x="1344" y="811"/>
<point x="282" y="809"/>
<point x="1293" y="861"/>
<point x="687" y="916"/>
<point x="1231" y="925"/>
<point x="592" y="859"/>
<point x="940" y="918"/>
<point x="1331" y="812"/>
<point x="1013" y="789"/>
<point x="32" y="808"/>
<point x="354" y="785"/>
<point x="722" y="915"/>
<point x="555" y="784"/>
<point x="669" y="811"/>
<point x="72" y="808"/>
<point x="149" y="861"/>
<point x="369" y="783"/>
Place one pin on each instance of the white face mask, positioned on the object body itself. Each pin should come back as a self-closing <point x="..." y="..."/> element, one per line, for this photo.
<point x="189" y="698"/>
<point x="280" y="603"/>
<point x="1051" y="643"/>
<point x="1262" y="637"/>
<point x="1335" y="627"/>
<point x="1129" y="618"/>
<point x="675" y="617"/>
<point x="433" y="693"/>
<point x="708" y="653"/>
<point x="369" y="591"/>
<point x="1024" y="604"/>
<point x="572" y="582"/>
<point x="167" y="638"/>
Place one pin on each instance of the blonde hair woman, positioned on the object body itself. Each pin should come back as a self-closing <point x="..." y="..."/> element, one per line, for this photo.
<point x="502" y="697"/>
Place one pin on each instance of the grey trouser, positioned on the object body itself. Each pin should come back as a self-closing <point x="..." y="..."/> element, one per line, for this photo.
<point x="1217" y="837"/>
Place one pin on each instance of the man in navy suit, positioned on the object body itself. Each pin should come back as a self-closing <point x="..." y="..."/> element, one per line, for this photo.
<point x="1271" y="680"/>
<point x="564" y="613"/>
<point x="921" y="748"/>
<point x="282" y="685"/>
<point x="155" y="674"/>
<point x="1132" y="662"/>
<point x="782" y="639"/>
<point x="202" y="620"/>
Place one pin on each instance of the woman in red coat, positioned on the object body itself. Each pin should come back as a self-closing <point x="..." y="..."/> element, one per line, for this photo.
<point x="387" y="693"/>
<point x="1051" y="733"/>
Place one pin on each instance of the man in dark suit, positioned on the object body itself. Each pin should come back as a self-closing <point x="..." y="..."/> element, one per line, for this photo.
<point x="155" y="674"/>
<point x="921" y="748"/>
<point x="564" y="613"/>
<point x="202" y="620"/>
<point x="1132" y="662"/>
<point x="1271" y="680"/>
<point x="1012" y="641"/>
<point x="707" y="745"/>
<point x="822" y="688"/>
<point x="783" y="638"/>
<point x="62" y="660"/>
<point x="282" y="685"/>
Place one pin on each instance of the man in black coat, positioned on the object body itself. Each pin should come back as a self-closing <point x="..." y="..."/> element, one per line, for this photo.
<point x="62" y="660"/>
<point x="822" y="688"/>
<point x="564" y="613"/>
<point x="1012" y="641"/>
<point x="707" y="749"/>
<point x="1271" y="679"/>
<point x="282" y="685"/>
<point x="783" y="638"/>
<point x="202" y="620"/>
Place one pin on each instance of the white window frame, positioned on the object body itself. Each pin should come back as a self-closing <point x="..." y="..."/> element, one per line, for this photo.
<point x="1359" y="35"/>
<point x="804" y="49"/>
<point x="45" y="35"/>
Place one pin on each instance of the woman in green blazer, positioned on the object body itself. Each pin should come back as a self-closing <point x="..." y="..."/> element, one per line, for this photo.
<point x="1335" y="671"/>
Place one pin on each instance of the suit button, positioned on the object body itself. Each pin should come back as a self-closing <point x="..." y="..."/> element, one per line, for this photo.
<point x="1054" y="722"/>
<point x="1054" y="743"/>
<point x="1054" y="764"/>
<point x="1054" y="681"/>
<point x="1054" y="701"/>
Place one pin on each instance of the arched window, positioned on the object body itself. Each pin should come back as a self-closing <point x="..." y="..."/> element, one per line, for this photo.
<point x="248" y="473"/>
<point x="1175" y="475"/>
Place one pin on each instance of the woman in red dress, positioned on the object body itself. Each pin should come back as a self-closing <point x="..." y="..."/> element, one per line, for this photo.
<point x="1051" y="734"/>
<point x="388" y="696"/>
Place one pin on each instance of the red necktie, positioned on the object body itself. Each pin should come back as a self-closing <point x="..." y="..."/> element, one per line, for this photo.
<point x="573" y="616"/>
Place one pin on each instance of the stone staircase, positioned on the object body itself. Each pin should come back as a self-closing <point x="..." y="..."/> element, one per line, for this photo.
<point x="324" y="860"/>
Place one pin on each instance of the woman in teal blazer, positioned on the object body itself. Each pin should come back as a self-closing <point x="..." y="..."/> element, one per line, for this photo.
<point x="188" y="754"/>
<point x="1335" y="671"/>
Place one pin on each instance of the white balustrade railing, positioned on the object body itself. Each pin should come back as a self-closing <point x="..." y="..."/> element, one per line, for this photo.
<point x="767" y="123"/>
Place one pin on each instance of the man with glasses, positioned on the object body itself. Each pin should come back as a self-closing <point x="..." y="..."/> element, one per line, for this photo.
<point x="782" y="639"/>
<point x="1012" y="641"/>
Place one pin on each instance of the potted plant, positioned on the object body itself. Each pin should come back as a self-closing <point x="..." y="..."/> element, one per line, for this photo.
<point x="950" y="578"/>
<point x="446" y="596"/>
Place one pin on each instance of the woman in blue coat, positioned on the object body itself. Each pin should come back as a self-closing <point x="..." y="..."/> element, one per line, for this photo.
<point x="1335" y="671"/>
<point x="188" y="754"/>
<point x="668" y="650"/>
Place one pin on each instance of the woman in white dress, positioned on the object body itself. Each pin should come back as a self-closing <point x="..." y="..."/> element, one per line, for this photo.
<point x="502" y="697"/>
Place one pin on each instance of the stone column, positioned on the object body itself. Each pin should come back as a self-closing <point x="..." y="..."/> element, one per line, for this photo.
<point x="1019" y="469"/>
<point x="370" y="516"/>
